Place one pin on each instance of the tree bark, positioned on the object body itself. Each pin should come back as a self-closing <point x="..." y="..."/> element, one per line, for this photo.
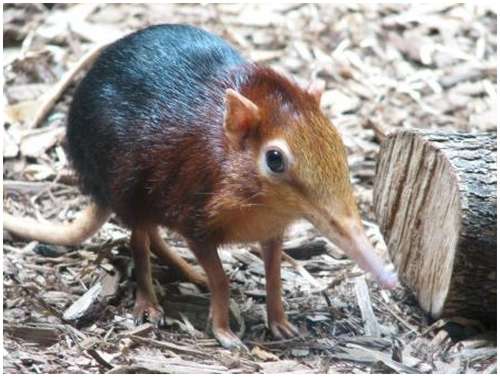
<point x="435" y="201"/>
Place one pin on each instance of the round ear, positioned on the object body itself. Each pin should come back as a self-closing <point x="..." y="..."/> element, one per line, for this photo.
<point x="316" y="89"/>
<point x="240" y="115"/>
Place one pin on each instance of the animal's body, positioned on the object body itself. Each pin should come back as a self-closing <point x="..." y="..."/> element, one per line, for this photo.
<point x="172" y="127"/>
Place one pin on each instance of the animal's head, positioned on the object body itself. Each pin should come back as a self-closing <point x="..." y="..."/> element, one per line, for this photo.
<point x="299" y="161"/>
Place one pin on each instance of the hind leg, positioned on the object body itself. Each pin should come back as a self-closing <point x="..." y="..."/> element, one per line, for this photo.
<point x="146" y="303"/>
<point x="169" y="257"/>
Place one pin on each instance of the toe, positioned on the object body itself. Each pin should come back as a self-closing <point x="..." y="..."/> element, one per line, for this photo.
<point x="229" y="340"/>
<point x="284" y="330"/>
<point x="154" y="315"/>
<point x="148" y="312"/>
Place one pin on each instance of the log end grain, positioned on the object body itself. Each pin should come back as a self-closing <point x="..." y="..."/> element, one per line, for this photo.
<point x="435" y="200"/>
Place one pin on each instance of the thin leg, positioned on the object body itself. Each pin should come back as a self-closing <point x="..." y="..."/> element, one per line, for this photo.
<point x="146" y="303"/>
<point x="278" y="323"/>
<point x="219" y="303"/>
<point x="161" y="249"/>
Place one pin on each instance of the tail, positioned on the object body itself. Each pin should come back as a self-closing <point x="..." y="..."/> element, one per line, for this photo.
<point x="89" y="221"/>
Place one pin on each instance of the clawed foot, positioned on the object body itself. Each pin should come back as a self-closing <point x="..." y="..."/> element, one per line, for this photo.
<point x="147" y="311"/>
<point x="229" y="340"/>
<point x="198" y="279"/>
<point x="283" y="329"/>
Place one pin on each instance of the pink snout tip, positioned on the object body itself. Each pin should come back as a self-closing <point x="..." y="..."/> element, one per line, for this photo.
<point x="388" y="279"/>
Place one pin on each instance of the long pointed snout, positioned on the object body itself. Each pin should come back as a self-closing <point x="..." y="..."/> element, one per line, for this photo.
<point x="348" y="234"/>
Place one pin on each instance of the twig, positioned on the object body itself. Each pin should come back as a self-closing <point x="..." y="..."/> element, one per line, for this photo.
<point x="380" y="133"/>
<point x="492" y="369"/>
<point x="365" y="305"/>
<point x="28" y="188"/>
<point x="387" y="360"/>
<point x="307" y="276"/>
<point x="405" y="323"/>
<point x="275" y="342"/>
<point x="170" y="346"/>
<point x="302" y="271"/>
<point x="100" y="359"/>
<point x="63" y="84"/>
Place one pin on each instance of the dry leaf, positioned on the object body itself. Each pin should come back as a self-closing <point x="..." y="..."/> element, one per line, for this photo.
<point x="10" y="144"/>
<point x="34" y="143"/>
<point x="22" y="112"/>
<point x="264" y="355"/>
<point x="38" y="172"/>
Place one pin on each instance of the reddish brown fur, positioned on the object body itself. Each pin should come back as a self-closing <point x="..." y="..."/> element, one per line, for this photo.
<point x="286" y="111"/>
<point x="186" y="152"/>
<point x="204" y="195"/>
<point x="219" y="200"/>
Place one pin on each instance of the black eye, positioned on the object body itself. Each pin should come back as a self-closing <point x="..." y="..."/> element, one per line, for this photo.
<point x="275" y="162"/>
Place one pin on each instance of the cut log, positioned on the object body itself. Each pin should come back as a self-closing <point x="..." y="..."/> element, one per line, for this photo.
<point x="435" y="202"/>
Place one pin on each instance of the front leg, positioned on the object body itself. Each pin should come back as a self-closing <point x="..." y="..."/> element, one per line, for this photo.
<point x="276" y="317"/>
<point x="219" y="287"/>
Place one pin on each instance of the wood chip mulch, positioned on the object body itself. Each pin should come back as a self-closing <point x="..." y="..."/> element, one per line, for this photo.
<point x="386" y="67"/>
